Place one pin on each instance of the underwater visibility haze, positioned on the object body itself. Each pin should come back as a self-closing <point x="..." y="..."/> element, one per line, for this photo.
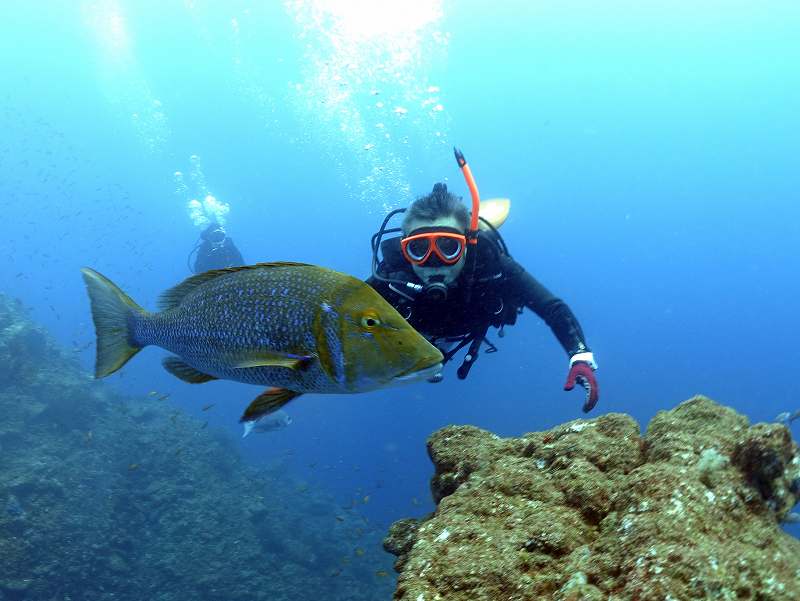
<point x="650" y="154"/>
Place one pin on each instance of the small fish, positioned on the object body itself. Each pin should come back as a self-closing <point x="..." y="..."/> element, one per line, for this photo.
<point x="787" y="417"/>
<point x="382" y="574"/>
<point x="133" y="467"/>
<point x="14" y="507"/>
<point x="791" y="518"/>
<point x="340" y="518"/>
<point x="207" y="407"/>
<point x="204" y="426"/>
<point x="366" y="499"/>
<point x="359" y="551"/>
<point x="267" y="423"/>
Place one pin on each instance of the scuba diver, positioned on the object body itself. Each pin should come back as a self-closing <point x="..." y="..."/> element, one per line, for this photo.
<point x="451" y="276"/>
<point x="214" y="250"/>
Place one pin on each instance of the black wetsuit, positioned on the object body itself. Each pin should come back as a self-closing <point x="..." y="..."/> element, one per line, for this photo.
<point x="500" y="289"/>
<point x="210" y="256"/>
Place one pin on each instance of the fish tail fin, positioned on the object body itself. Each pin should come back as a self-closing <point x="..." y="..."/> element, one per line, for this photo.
<point x="113" y="312"/>
<point x="248" y="427"/>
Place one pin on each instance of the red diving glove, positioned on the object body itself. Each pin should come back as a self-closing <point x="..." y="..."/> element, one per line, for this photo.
<point x="581" y="370"/>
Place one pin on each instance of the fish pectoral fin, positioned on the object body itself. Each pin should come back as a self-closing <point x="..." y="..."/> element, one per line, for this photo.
<point x="268" y="401"/>
<point x="185" y="372"/>
<point x="271" y="359"/>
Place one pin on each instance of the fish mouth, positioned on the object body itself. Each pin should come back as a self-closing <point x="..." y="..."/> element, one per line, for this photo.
<point x="419" y="373"/>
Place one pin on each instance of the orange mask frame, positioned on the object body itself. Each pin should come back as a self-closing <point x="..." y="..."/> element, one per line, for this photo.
<point x="433" y="247"/>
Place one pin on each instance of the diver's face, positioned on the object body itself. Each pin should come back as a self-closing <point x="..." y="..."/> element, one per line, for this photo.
<point x="434" y="270"/>
<point x="215" y="237"/>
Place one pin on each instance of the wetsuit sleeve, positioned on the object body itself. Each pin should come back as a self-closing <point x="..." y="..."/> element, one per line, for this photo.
<point x="554" y="311"/>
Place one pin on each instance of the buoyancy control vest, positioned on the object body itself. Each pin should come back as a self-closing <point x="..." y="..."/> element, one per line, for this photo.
<point x="466" y="316"/>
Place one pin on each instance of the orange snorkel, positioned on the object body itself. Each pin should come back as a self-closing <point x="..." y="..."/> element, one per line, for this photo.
<point x="472" y="234"/>
<point x="477" y="337"/>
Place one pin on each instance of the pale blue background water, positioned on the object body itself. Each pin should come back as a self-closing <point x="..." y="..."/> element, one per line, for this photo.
<point x="650" y="152"/>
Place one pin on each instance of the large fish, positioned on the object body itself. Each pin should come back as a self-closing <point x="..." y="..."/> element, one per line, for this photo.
<point x="296" y="327"/>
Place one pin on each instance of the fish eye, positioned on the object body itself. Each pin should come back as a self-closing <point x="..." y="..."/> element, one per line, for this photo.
<point x="370" y="321"/>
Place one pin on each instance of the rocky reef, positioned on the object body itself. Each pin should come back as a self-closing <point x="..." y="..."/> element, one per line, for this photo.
<point x="592" y="509"/>
<point x="108" y="497"/>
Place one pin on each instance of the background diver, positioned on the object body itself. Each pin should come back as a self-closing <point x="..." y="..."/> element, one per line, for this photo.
<point x="214" y="250"/>
<point x="451" y="276"/>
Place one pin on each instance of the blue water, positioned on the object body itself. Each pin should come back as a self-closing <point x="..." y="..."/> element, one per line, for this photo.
<point x="650" y="152"/>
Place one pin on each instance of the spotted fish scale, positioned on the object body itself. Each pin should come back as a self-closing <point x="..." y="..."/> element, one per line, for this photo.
<point x="270" y="309"/>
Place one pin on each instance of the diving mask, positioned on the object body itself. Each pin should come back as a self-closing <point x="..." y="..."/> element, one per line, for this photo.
<point x="215" y="236"/>
<point x="446" y="243"/>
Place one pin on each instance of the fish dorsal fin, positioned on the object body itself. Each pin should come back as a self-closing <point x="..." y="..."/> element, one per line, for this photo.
<point x="171" y="298"/>
<point x="185" y="372"/>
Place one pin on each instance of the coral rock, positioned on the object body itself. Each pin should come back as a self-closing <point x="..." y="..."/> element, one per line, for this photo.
<point x="593" y="510"/>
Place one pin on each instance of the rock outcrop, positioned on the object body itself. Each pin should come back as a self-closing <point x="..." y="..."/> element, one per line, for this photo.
<point x="594" y="510"/>
<point x="108" y="497"/>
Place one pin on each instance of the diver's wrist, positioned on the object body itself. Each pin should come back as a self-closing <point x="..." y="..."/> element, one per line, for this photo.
<point x="586" y="357"/>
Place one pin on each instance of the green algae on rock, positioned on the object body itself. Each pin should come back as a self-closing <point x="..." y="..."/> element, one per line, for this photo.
<point x="593" y="510"/>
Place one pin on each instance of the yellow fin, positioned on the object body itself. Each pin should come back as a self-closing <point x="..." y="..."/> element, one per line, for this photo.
<point x="495" y="211"/>
<point x="268" y="401"/>
<point x="247" y="359"/>
<point x="113" y="311"/>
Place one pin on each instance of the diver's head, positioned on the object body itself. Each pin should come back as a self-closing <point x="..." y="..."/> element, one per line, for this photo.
<point x="214" y="234"/>
<point x="434" y="240"/>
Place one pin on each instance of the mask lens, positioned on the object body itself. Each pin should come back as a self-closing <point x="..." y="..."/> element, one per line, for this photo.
<point x="449" y="247"/>
<point x="418" y="248"/>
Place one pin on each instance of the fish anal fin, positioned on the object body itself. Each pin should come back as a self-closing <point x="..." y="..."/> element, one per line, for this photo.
<point x="268" y="401"/>
<point x="185" y="372"/>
